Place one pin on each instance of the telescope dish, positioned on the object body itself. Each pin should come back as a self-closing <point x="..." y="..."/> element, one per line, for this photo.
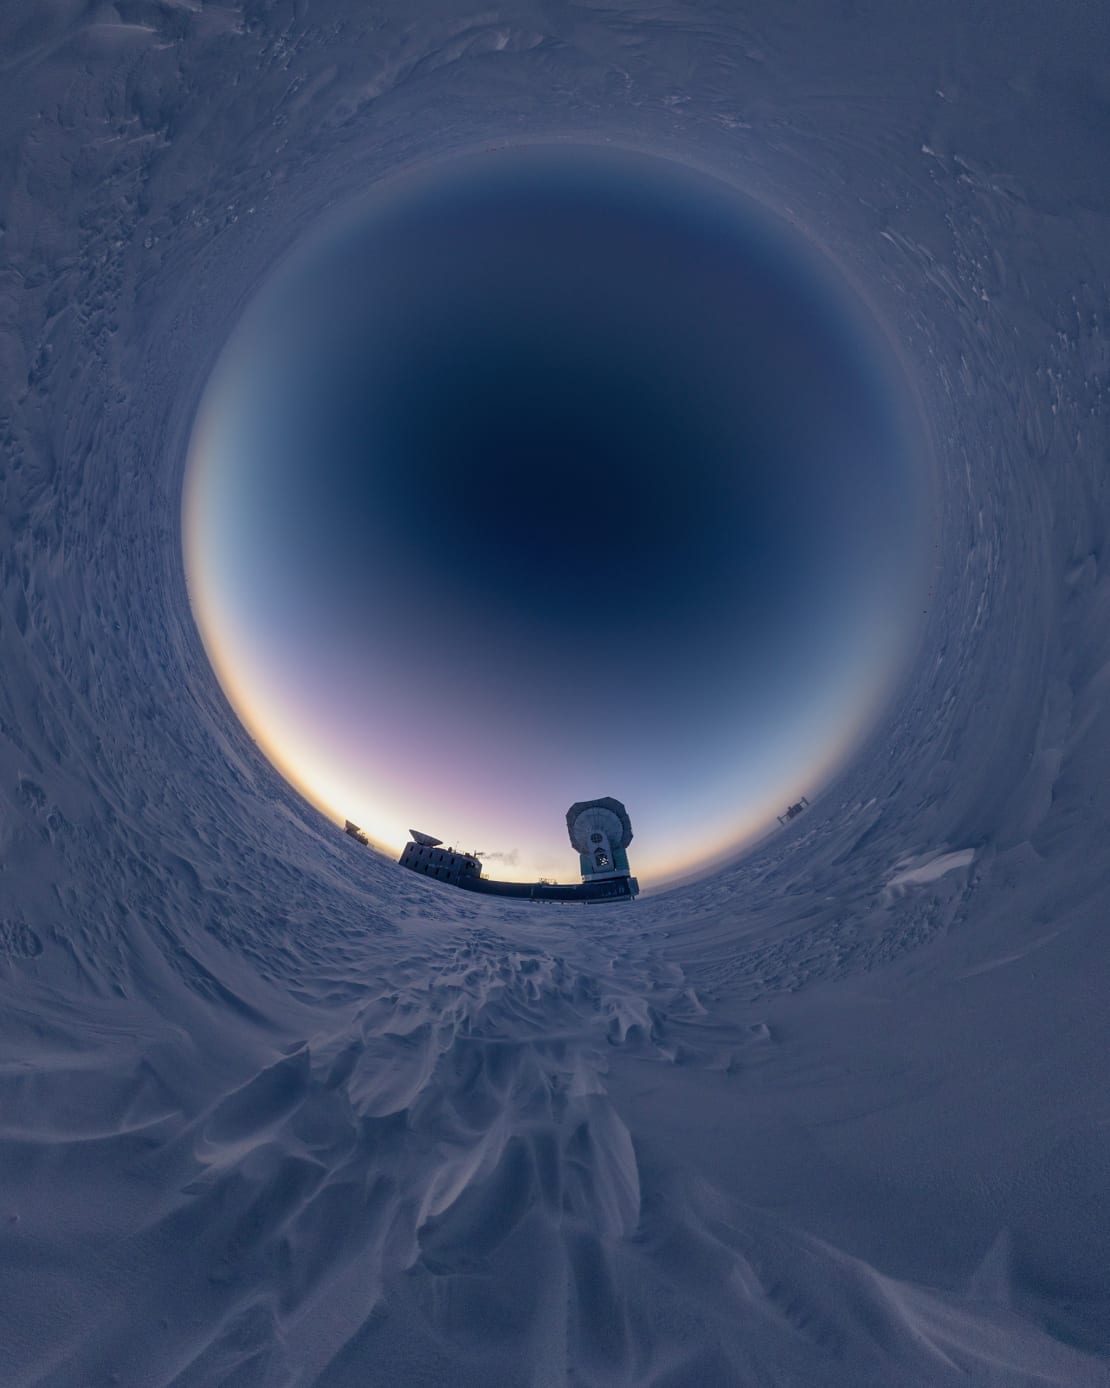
<point x="606" y="816"/>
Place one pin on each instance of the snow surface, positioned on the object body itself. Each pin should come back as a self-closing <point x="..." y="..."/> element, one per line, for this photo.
<point x="934" y="866"/>
<point x="273" y="1112"/>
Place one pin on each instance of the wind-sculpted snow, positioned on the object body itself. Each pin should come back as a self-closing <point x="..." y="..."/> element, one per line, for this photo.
<point x="273" y="1112"/>
<point x="436" y="1176"/>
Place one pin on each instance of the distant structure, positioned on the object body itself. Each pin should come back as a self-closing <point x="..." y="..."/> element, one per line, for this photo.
<point x="427" y="855"/>
<point x="599" y="829"/>
<point x="356" y="833"/>
<point x="793" y="811"/>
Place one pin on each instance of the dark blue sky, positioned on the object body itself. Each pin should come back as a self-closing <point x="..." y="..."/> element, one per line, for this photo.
<point x="549" y="474"/>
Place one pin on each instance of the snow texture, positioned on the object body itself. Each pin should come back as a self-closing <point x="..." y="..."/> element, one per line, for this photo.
<point x="273" y="1112"/>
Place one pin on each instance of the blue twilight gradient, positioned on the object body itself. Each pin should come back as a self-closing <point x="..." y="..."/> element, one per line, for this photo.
<point x="557" y="473"/>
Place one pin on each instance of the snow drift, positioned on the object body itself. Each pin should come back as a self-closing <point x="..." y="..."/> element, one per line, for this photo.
<point x="270" y="1114"/>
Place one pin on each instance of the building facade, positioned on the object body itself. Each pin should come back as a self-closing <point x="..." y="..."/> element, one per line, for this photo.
<point x="427" y="856"/>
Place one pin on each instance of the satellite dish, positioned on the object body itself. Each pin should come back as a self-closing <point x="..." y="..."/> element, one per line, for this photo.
<point x="425" y="840"/>
<point x="606" y="817"/>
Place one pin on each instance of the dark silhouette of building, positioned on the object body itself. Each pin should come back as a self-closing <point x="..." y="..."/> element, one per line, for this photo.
<point x="793" y="811"/>
<point x="428" y="856"/>
<point x="599" y="829"/>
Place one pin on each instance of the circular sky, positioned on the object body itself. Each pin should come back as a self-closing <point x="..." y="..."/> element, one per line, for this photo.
<point x="548" y="474"/>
